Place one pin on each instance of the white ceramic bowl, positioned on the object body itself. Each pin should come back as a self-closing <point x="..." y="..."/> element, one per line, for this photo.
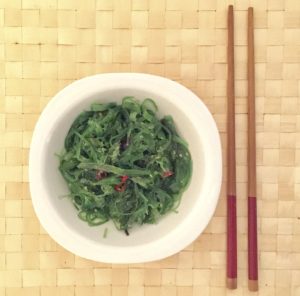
<point x="149" y="242"/>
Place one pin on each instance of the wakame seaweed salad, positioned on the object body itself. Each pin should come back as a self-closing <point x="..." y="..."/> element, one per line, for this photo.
<point x="121" y="162"/>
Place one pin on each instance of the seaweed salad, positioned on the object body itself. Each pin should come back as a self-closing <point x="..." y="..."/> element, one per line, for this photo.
<point x="122" y="163"/>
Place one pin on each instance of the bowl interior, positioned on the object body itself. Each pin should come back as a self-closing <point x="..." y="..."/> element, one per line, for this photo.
<point x="55" y="185"/>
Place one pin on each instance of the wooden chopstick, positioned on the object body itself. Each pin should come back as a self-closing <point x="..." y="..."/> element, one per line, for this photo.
<point x="252" y="218"/>
<point x="231" y="171"/>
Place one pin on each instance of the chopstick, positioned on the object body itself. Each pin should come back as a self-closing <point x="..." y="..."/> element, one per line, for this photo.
<point x="252" y="218"/>
<point x="231" y="171"/>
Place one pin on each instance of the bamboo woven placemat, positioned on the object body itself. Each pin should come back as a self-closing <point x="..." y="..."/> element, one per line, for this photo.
<point x="46" y="44"/>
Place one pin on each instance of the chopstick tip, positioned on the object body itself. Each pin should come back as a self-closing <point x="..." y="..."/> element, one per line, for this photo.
<point x="253" y="285"/>
<point x="231" y="283"/>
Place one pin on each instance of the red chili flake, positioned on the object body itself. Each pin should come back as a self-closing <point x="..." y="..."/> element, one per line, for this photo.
<point x="167" y="174"/>
<point x="124" y="179"/>
<point x="120" y="187"/>
<point x="100" y="175"/>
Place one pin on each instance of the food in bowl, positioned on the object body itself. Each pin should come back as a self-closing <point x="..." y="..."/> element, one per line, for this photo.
<point x="122" y="163"/>
<point x="146" y="242"/>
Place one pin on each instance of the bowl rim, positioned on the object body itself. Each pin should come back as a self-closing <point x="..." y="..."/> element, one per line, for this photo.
<point x="167" y="246"/>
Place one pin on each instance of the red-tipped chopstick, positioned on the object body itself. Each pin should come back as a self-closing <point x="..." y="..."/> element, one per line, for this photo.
<point x="231" y="173"/>
<point x="252" y="219"/>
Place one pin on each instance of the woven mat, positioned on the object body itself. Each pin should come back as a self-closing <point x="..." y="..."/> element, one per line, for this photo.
<point x="46" y="44"/>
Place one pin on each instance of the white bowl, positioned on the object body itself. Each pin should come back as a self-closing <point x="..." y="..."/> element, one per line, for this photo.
<point x="175" y="231"/>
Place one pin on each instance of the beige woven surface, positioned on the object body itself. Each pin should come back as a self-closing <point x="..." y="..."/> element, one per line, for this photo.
<point x="46" y="44"/>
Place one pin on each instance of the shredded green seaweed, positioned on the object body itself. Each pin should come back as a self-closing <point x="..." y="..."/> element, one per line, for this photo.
<point x="122" y="163"/>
